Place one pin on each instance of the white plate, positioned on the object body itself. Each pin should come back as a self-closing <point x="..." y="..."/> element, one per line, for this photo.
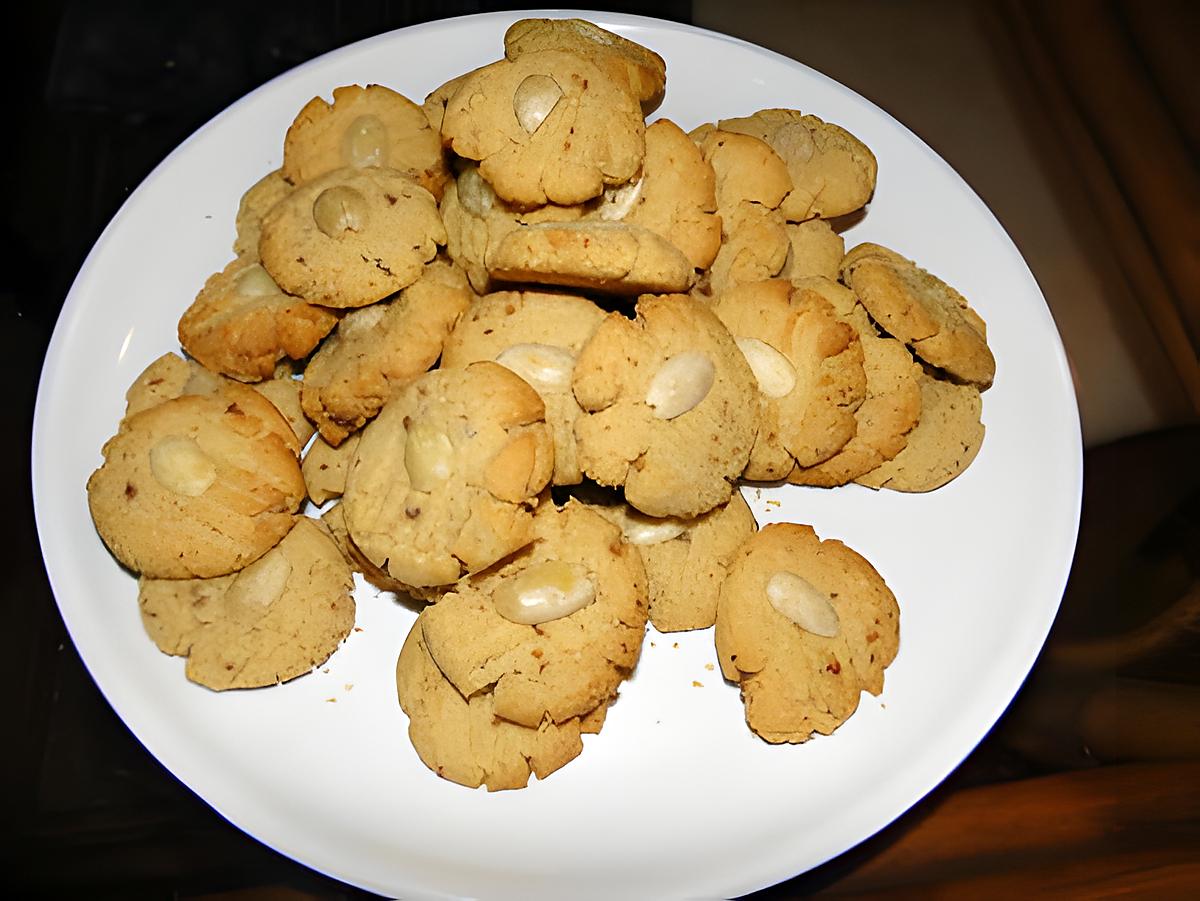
<point x="676" y="798"/>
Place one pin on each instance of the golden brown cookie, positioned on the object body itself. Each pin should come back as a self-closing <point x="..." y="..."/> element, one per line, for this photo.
<point x="547" y="127"/>
<point x="553" y="630"/>
<point x="816" y="250"/>
<point x="364" y="127"/>
<point x="380" y="348"/>
<point x="832" y="172"/>
<point x="262" y="195"/>
<point x="241" y="323"/>
<point x="686" y="560"/>
<point x="808" y="364"/>
<point x="893" y="396"/>
<point x="463" y="740"/>
<point x="538" y="336"/>
<point x="351" y="237"/>
<point x="625" y="61"/>
<point x="803" y="626"/>
<point x="446" y="476"/>
<point x="751" y="181"/>
<point x="666" y="403"/>
<point x="196" y="486"/>
<point x="921" y="310"/>
<point x="273" y="621"/>
<point x="942" y="445"/>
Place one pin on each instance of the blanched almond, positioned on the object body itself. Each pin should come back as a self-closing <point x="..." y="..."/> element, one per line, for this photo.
<point x="181" y="466"/>
<point x="340" y="209"/>
<point x="364" y="143"/>
<point x="680" y="384"/>
<point x="775" y="374"/>
<point x="545" y="592"/>
<point x="803" y="603"/>
<point x="534" y="100"/>
<point x="262" y="582"/>
<point x="541" y="365"/>
<point x="643" y="530"/>
<point x="428" y="457"/>
<point x="253" y="281"/>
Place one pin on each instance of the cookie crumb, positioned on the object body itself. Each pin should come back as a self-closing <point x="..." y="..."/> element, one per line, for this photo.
<point x="696" y="684"/>
<point x="774" y="503"/>
<point x="348" y="686"/>
<point x="331" y="700"/>
<point x="709" y="667"/>
<point x="675" y="645"/>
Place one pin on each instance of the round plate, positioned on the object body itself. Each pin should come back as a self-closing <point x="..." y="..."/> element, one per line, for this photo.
<point x="676" y="798"/>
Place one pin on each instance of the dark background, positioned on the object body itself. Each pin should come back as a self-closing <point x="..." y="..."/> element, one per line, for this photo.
<point x="98" y="95"/>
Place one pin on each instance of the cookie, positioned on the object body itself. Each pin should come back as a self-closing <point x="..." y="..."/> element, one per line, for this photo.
<point x="434" y="106"/>
<point x="809" y="368"/>
<point x="262" y="195"/>
<point x="804" y="626"/>
<point x="351" y="237"/>
<point x="325" y="468"/>
<point x="446" y="476"/>
<point x="538" y="336"/>
<point x="463" y="740"/>
<point x="241" y="323"/>
<point x="195" y="486"/>
<point x="491" y="634"/>
<point x="675" y="197"/>
<point x="751" y="182"/>
<point x="942" y="445"/>
<point x="892" y="405"/>
<point x="380" y="348"/>
<point x="665" y="398"/>
<point x="273" y="621"/>
<point x="364" y="127"/>
<point x="832" y="172"/>
<point x="686" y="560"/>
<point x="613" y="257"/>
<point x="546" y="127"/>
<point x="642" y="70"/>
<point x="921" y="310"/>
<point x="815" y="250"/>
<point x="171" y="376"/>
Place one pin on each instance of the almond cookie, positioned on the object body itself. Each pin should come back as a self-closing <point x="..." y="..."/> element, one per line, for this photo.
<point x="552" y="631"/>
<point x="816" y="250"/>
<point x="892" y="405"/>
<point x="547" y="127"/>
<point x="241" y="323"/>
<point x="351" y="237"/>
<point x="196" y="486"/>
<point x="809" y="369"/>
<point x="803" y="626"/>
<point x="921" y="310"/>
<point x="832" y="172"/>
<point x="275" y="620"/>
<point x="686" y="560"/>
<point x="613" y="257"/>
<point x="364" y="127"/>
<point x="626" y="62"/>
<point x="379" y="348"/>
<point x="262" y="195"/>
<point x="665" y="398"/>
<point x="751" y="182"/>
<point x="537" y="336"/>
<point x="446" y="476"/>
<point x="463" y="740"/>
<point x="942" y="445"/>
<point x="171" y="376"/>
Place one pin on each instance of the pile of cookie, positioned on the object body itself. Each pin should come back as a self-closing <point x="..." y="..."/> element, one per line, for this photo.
<point x="628" y="322"/>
